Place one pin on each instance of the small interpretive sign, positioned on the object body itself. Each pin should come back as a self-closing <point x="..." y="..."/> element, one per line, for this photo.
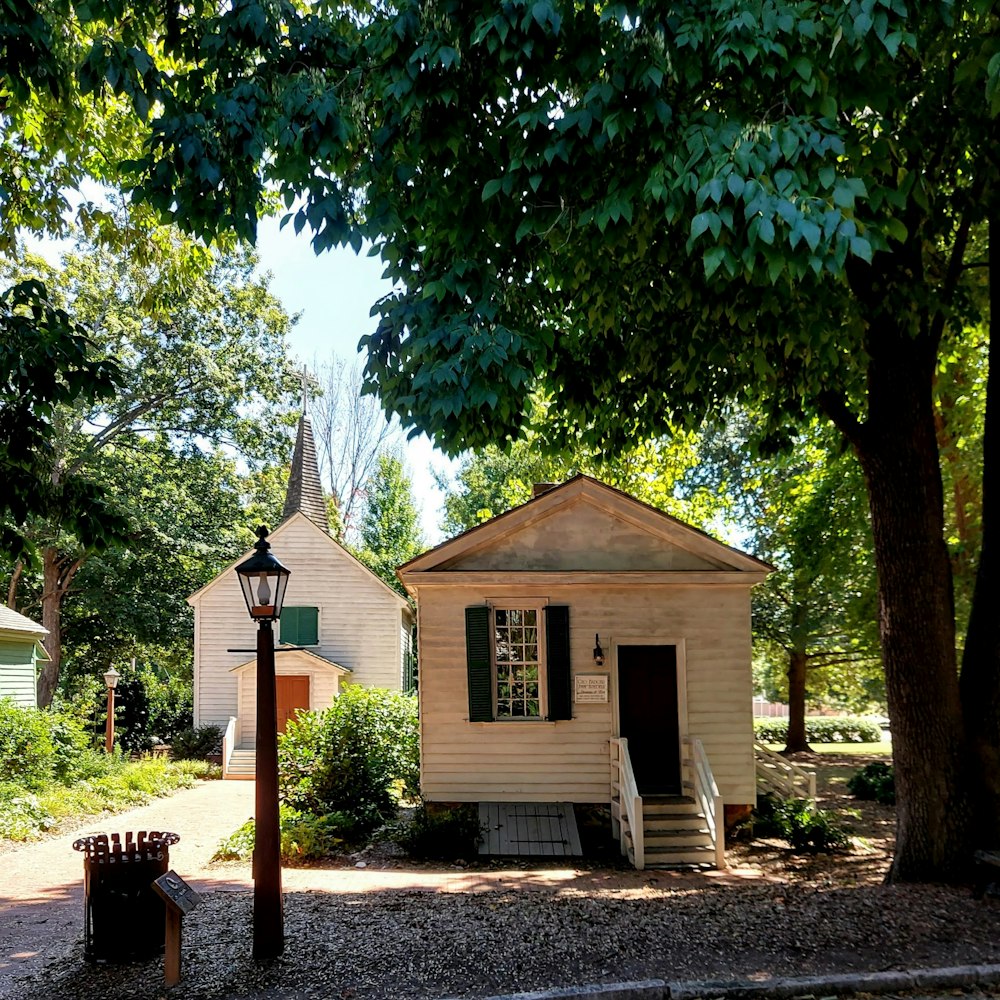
<point x="176" y="892"/>
<point x="591" y="689"/>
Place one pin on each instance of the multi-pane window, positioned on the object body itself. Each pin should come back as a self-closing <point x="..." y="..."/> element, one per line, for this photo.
<point x="517" y="663"/>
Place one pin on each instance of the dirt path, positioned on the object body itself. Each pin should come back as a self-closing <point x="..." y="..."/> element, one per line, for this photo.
<point x="41" y="885"/>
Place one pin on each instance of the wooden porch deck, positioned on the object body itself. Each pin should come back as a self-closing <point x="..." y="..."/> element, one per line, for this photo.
<point x="529" y="829"/>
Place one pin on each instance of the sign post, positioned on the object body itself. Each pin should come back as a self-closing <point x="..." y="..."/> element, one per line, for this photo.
<point x="180" y="900"/>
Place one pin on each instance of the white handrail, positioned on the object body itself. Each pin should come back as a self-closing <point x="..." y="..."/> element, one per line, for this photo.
<point x="706" y="793"/>
<point x="228" y="745"/>
<point x="631" y="800"/>
<point x="777" y="774"/>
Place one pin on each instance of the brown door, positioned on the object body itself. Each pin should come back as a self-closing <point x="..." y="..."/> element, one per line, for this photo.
<point x="292" y="694"/>
<point x="647" y="716"/>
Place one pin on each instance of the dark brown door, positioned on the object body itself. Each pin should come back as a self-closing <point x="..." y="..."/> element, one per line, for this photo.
<point x="292" y="693"/>
<point x="647" y="715"/>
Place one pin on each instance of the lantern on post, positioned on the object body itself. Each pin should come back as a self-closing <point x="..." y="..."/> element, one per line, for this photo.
<point x="263" y="580"/>
<point x="110" y="682"/>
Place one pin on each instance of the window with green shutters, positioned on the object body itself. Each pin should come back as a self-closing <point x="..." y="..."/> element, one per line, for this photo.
<point x="299" y="626"/>
<point x="518" y="662"/>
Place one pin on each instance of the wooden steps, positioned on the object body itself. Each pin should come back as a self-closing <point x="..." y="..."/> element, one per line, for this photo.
<point x="675" y="833"/>
<point x="242" y="765"/>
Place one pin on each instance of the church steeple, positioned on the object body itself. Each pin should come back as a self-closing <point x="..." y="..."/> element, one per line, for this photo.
<point x="305" y="488"/>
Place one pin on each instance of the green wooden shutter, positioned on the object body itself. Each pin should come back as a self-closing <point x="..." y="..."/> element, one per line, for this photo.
<point x="477" y="651"/>
<point x="557" y="662"/>
<point x="299" y="626"/>
<point x="288" y="626"/>
<point x="308" y="626"/>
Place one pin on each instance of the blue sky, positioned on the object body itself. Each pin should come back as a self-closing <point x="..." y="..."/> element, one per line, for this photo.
<point x="334" y="293"/>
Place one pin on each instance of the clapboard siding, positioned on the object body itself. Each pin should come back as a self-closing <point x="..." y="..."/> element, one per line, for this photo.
<point x="359" y="625"/>
<point x="17" y="672"/>
<point x="568" y="761"/>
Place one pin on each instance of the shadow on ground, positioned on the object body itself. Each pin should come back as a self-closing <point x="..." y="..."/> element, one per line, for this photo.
<point x="421" y="944"/>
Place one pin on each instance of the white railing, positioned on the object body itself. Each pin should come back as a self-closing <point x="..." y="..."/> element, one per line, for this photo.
<point x="779" y="775"/>
<point x="228" y="744"/>
<point x="631" y="801"/>
<point x="706" y="794"/>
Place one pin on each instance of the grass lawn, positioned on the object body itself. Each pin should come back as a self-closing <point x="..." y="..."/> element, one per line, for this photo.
<point x="883" y="749"/>
<point x="114" y="785"/>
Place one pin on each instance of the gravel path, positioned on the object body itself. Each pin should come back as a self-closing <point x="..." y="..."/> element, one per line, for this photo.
<point x="392" y="930"/>
<point x="423" y="944"/>
<point x="41" y="884"/>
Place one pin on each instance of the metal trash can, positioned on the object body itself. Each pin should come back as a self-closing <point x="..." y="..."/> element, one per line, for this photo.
<point x="124" y="919"/>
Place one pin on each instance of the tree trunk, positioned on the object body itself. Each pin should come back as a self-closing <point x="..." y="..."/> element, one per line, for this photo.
<point x="898" y="452"/>
<point x="980" y="683"/>
<point x="57" y="574"/>
<point x="796" y="741"/>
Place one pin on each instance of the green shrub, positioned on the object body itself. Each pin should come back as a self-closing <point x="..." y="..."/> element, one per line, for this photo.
<point x="196" y="744"/>
<point x="304" y="836"/>
<point x="442" y="834"/>
<point x="27" y="750"/>
<point x="171" y="705"/>
<point x="805" y="826"/>
<point x="874" y="782"/>
<point x="21" y="814"/>
<point x="357" y="757"/>
<point x="821" y="729"/>
<point x="72" y="752"/>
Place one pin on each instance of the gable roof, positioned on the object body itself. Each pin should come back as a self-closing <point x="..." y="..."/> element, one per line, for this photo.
<point x="322" y="538"/>
<point x="701" y="551"/>
<point x="12" y="621"/>
<point x="322" y="661"/>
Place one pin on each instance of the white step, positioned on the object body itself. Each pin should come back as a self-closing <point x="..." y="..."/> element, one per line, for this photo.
<point x="242" y="764"/>
<point x="659" y="858"/>
<point x="676" y="840"/>
<point x="669" y="805"/>
<point x="666" y="822"/>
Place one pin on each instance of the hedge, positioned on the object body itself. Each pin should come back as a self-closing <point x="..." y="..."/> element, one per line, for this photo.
<point x="821" y="729"/>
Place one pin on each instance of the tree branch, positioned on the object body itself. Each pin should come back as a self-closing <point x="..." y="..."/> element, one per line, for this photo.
<point x="836" y="409"/>
<point x="12" y="588"/>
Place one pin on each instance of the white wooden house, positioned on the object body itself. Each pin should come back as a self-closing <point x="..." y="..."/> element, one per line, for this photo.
<point x="587" y="648"/>
<point x="353" y="627"/>
<point x="20" y="650"/>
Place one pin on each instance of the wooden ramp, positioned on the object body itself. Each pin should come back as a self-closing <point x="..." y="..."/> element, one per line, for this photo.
<point x="529" y="829"/>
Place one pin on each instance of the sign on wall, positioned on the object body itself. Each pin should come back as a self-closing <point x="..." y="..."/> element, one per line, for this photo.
<point x="591" y="689"/>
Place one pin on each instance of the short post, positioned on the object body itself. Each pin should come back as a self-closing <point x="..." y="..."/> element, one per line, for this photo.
<point x="180" y="899"/>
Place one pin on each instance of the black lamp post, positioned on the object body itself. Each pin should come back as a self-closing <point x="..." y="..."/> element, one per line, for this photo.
<point x="263" y="580"/>
<point x="111" y="682"/>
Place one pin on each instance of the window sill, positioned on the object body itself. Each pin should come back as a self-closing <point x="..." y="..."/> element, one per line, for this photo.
<point x="518" y="722"/>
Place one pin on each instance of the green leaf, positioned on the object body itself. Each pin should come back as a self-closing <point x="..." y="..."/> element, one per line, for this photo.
<point x="699" y="224"/>
<point x="860" y="247"/>
<point x="714" y="256"/>
<point x="803" y="67"/>
<point x="491" y="188"/>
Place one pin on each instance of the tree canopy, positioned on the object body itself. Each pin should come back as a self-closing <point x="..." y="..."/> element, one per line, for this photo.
<point x="199" y="356"/>
<point x="644" y="212"/>
<point x="390" y="525"/>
